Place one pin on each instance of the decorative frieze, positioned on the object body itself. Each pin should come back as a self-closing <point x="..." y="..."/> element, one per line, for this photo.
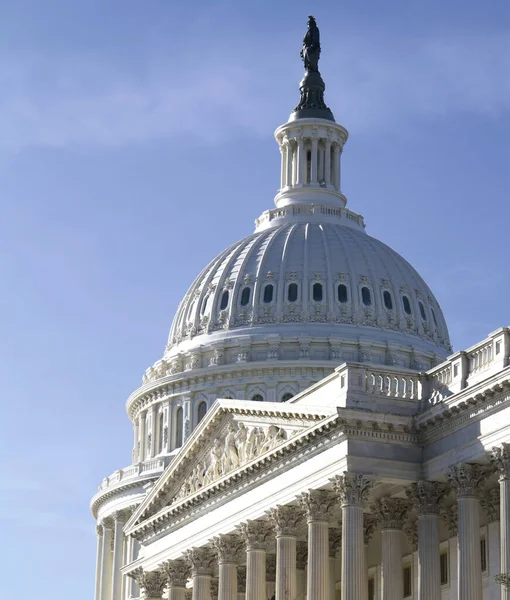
<point x="200" y="561"/>
<point x="177" y="572"/>
<point x="466" y="479"/>
<point x="352" y="488"/>
<point x="391" y="512"/>
<point x="490" y="502"/>
<point x="286" y="520"/>
<point x="318" y="505"/>
<point x="426" y="496"/>
<point x="152" y="583"/>
<point x="255" y="534"/>
<point x="227" y="548"/>
<point x="500" y="460"/>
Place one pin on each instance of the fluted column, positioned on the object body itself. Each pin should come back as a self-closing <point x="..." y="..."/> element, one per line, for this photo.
<point x="336" y="167"/>
<point x="270" y="575"/>
<point x="426" y="497"/>
<point x="317" y="506"/>
<point x="335" y="543"/>
<point x="200" y="560"/>
<point x="391" y="513"/>
<point x="286" y="521"/>
<point x="254" y="534"/>
<point x="177" y="574"/>
<point x="152" y="583"/>
<point x="301" y="561"/>
<point x="120" y="518"/>
<point x="353" y="490"/>
<point x="107" y="562"/>
<point x="466" y="480"/>
<point x="99" y="561"/>
<point x="227" y="548"/>
<point x="500" y="459"/>
<point x="142" y="444"/>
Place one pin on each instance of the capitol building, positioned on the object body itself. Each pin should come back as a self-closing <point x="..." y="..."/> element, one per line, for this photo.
<point x="309" y="432"/>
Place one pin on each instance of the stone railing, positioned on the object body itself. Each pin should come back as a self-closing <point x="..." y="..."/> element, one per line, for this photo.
<point x="153" y="466"/>
<point x="391" y="384"/>
<point x="309" y="209"/>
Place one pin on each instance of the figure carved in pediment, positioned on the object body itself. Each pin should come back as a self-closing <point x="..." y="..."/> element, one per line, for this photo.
<point x="231" y="456"/>
<point x="241" y="441"/>
<point x="214" y="470"/>
<point x="274" y="437"/>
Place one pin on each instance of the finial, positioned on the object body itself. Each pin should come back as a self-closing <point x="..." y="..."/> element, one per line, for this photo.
<point x="311" y="103"/>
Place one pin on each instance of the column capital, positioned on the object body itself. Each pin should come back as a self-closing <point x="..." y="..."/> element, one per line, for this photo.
<point x="334" y="541"/>
<point x="369" y="526"/>
<point x="286" y="520"/>
<point x="500" y="460"/>
<point x="108" y="523"/>
<point x="152" y="583"/>
<point x="450" y="517"/>
<point x="391" y="512"/>
<point x="199" y="560"/>
<point x="466" y="479"/>
<point x="254" y="534"/>
<point x="121" y="516"/>
<point x="99" y="530"/>
<point x="227" y="548"/>
<point x="490" y="502"/>
<point x="270" y="567"/>
<point x="177" y="572"/>
<point x="317" y="505"/>
<point x="301" y="555"/>
<point x="352" y="488"/>
<point x="426" y="496"/>
<point x="410" y="528"/>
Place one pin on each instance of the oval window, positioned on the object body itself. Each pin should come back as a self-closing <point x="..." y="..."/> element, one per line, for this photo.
<point x="245" y="296"/>
<point x="224" y="300"/>
<point x="434" y="316"/>
<point x="317" y="292"/>
<point x="388" y="302"/>
<point x="258" y="398"/>
<point x="202" y="409"/>
<point x="292" y="292"/>
<point x="422" y="311"/>
<point x="342" y="293"/>
<point x="268" y="293"/>
<point x="366" y="296"/>
<point x="406" y="304"/>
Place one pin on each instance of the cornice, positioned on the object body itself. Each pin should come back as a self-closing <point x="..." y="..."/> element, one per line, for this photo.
<point x="104" y="495"/>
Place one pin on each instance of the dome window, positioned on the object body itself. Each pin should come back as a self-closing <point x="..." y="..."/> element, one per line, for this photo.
<point x="388" y="301"/>
<point x="292" y="292"/>
<point x="258" y="398"/>
<point x="268" y="293"/>
<point x="342" y="293"/>
<point x="366" y="296"/>
<point x="245" y="296"/>
<point x="406" y="304"/>
<point x="422" y="311"/>
<point x="179" y="420"/>
<point x="202" y="409"/>
<point x="224" y="300"/>
<point x="205" y="302"/>
<point x="434" y="316"/>
<point x="317" y="292"/>
<point x="286" y="397"/>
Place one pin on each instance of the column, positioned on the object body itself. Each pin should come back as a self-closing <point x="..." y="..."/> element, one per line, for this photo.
<point x="313" y="171"/>
<point x="241" y="583"/>
<point x="300" y="175"/>
<point x="142" y="443"/>
<point x="335" y="543"/>
<point x="288" y="180"/>
<point x="200" y="560"/>
<point x="426" y="497"/>
<point x="177" y="573"/>
<point x="227" y="548"/>
<point x="327" y="163"/>
<point x="286" y="521"/>
<point x="283" y="170"/>
<point x="270" y="575"/>
<point x="99" y="561"/>
<point x="500" y="459"/>
<point x="254" y="534"/>
<point x="353" y="490"/>
<point x="466" y="480"/>
<point x="391" y="513"/>
<point x="106" y="553"/>
<point x="336" y="167"/>
<point x="301" y="560"/>
<point x="136" y="444"/>
<point x="317" y="506"/>
<point x="152" y="583"/>
<point x="120" y="518"/>
<point x="152" y="435"/>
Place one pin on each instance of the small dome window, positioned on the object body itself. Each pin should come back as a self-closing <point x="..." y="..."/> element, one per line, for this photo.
<point x="406" y="304"/>
<point x="388" y="300"/>
<point x="258" y="398"/>
<point x="224" y="300"/>
<point x="422" y="311"/>
<point x="286" y="397"/>
<point x="179" y="419"/>
<point x="202" y="409"/>
<point x="342" y="293"/>
<point x="268" y="293"/>
<point x="245" y="296"/>
<point x="292" y="292"/>
<point x="366" y="296"/>
<point x="317" y="292"/>
<point x="434" y="316"/>
<point x="205" y="302"/>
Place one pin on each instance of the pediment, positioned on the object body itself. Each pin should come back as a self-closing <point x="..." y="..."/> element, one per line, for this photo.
<point x="233" y="436"/>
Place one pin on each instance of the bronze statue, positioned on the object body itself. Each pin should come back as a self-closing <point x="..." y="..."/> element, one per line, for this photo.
<point x="311" y="50"/>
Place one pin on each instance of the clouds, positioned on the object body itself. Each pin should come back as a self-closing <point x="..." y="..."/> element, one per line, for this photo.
<point x="373" y="84"/>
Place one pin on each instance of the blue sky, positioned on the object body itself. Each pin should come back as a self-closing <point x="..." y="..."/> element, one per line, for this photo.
<point x="136" y="143"/>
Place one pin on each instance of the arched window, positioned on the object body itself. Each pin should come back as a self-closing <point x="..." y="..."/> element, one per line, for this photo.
<point x="179" y="423"/>
<point x="406" y="304"/>
<point x="245" y="296"/>
<point x="205" y="302"/>
<point x="422" y="311"/>
<point x="388" y="301"/>
<point x="292" y="292"/>
<point x="268" y="293"/>
<point x="224" y="300"/>
<point x="257" y="398"/>
<point x="342" y="293"/>
<point x="160" y="433"/>
<point x="434" y="316"/>
<point x="317" y="292"/>
<point x="202" y="409"/>
<point x="286" y="397"/>
<point x="366" y="297"/>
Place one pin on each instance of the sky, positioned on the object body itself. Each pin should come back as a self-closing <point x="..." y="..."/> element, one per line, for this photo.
<point x="136" y="142"/>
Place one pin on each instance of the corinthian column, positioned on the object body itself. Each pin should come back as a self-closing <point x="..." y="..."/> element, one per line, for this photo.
<point x="99" y="561"/>
<point x="120" y="518"/>
<point x="317" y="506"/>
<point x="391" y="513"/>
<point x="177" y="573"/>
<point x="500" y="459"/>
<point x="152" y="583"/>
<point x="200" y="560"/>
<point x="286" y="521"/>
<point x="254" y="534"/>
<point x="467" y="481"/>
<point x="301" y="560"/>
<point x="335" y="543"/>
<point x="106" y="554"/>
<point x="227" y="548"/>
<point x="426" y="497"/>
<point x="353" y="490"/>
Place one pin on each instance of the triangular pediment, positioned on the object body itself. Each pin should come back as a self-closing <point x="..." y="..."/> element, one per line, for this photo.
<point x="232" y="437"/>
